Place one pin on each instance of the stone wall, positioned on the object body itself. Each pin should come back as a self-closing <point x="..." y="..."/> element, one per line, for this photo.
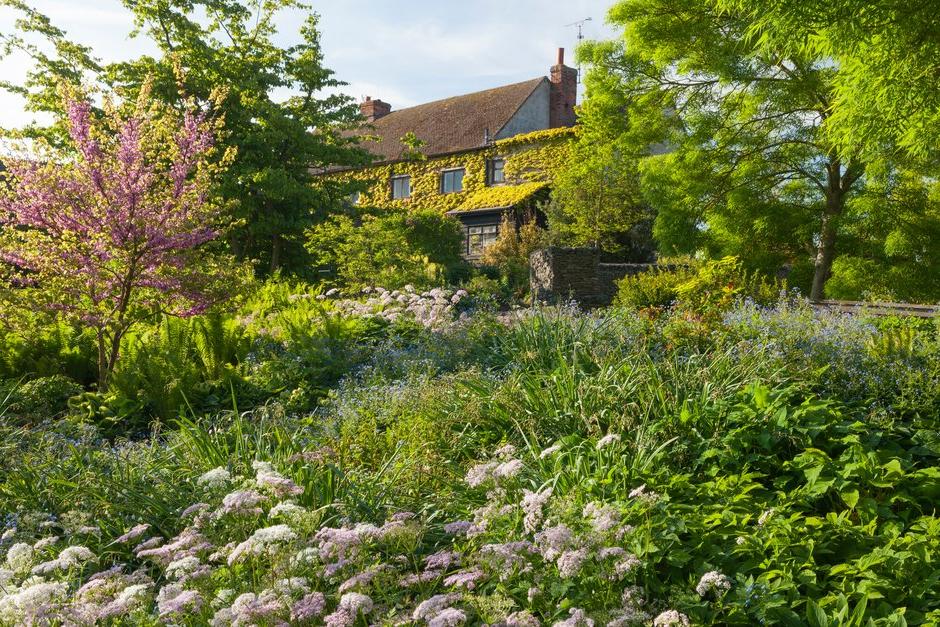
<point x="560" y="274"/>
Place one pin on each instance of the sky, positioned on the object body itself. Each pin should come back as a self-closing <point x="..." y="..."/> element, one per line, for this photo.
<point x="404" y="52"/>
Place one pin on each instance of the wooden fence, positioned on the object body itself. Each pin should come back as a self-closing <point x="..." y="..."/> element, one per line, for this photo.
<point x="879" y="309"/>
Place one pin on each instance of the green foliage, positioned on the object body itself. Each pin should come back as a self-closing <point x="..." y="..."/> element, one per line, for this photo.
<point x="655" y="288"/>
<point x="886" y="52"/>
<point x="739" y="125"/>
<point x="204" y="46"/>
<point x="40" y="399"/>
<point x="781" y="469"/>
<point x="390" y="247"/>
<point x="596" y="197"/>
<point x="705" y="290"/>
<point x="510" y="253"/>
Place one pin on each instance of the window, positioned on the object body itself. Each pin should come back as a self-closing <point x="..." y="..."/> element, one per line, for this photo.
<point x="495" y="173"/>
<point x="452" y="181"/>
<point x="479" y="237"/>
<point x="401" y="187"/>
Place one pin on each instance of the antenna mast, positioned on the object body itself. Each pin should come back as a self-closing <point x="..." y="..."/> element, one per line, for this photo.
<point x="580" y="26"/>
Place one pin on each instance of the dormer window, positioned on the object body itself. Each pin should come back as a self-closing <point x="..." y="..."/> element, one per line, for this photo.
<point x="495" y="171"/>
<point x="452" y="181"/>
<point x="401" y="187"/>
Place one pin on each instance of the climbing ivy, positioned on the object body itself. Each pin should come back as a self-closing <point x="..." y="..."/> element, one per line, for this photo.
<point x="532" y="159"/>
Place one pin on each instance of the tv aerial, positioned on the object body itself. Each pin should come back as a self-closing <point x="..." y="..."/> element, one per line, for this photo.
<point x="580" y="26"/>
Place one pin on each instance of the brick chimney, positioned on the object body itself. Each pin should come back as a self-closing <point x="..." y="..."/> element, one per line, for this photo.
<point x="564" y="93"/>
<point x="372" y="110"/>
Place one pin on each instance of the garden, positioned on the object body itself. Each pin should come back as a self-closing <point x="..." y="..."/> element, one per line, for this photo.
<point x="229" y="397"/>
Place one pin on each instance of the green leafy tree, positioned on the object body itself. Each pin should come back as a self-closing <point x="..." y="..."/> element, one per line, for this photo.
<point x="888" y="54"/>
<point x="281" y="142"/>
<point x="749" y="170"/>
<point x="389" y="248"/>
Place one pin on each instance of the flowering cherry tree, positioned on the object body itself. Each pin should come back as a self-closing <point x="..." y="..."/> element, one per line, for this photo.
<point x="113" y="231"/>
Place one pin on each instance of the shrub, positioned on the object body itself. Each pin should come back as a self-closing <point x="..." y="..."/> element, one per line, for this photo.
<point x="389" y="247"/>
<point x="657" y="288"/>
<point x="509" y="254"/>
<point x="42" y="398"/>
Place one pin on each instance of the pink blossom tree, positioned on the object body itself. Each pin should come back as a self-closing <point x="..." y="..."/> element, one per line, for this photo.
<point x="115" y="230"/>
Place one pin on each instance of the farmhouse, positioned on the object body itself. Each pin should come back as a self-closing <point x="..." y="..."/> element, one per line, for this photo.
<point x="477" y="157"/>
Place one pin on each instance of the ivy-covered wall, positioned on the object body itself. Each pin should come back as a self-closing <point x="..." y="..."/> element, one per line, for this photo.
<point x="531" y="162"/>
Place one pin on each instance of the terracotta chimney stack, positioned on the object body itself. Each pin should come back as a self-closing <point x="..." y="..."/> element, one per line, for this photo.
<point x="372" y="110"/>
<point x="564" y="93"/>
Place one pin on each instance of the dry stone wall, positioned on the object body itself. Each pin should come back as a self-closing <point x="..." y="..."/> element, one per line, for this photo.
<point x="561" y="274"/>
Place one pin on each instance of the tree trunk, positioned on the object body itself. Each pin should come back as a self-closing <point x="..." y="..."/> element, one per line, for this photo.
<point x="826" y="250"/>
<point x="276" y="245"/>
<point x="102" y="362"/>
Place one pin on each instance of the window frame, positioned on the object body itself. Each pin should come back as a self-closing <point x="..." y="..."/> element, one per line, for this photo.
<point x="491" y="170"/>
<point x="487" y="235"/>
<point x="400" y="177"/>
<point x="443" y="176"/>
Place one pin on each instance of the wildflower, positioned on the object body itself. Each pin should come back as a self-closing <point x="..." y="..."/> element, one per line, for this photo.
<point x="480" y="474"/>
<point x="551" y="450"/>
<point x="193" y="509"/>
<point x="570" y="562"/>
<point x="185" y="568"/>
<point x="764" y="517"/>
<point x="132" y="534"/>
<point x="35" y="603"/>
<point x="553" y="541"/>
<point x="307" y="608"/>
<point x="173" y="600"/>
<point x="252" y="609"/>
<point x="20" y="557"/>
<point x="627" y="565"/>
<point x="713" y="581"/>
<point x="241" y="502"/>
<point x="533" y="504"/>
<point x="506" y="451"/>
<point x="288" y="510"/>
<point x="356" y="603"/>
<point x="740" y="540"/>
<point x="41" y="544"/>
<point x="70" y="557"/>
<point x="129" y="599"/>
<point x="521" y="619"/>
<point x="9" y="533"/>
<point x="442" y="560"/>
<point x="431" y="607"/>
<point x="607" y="440"/>
<point x="215" y="478"/>
<point x="262" y="541"/>
<point x="266" y="477"/>
<point x="603" y="517"/>
<point x="671" y="618"/>
<point x="532" y="594"/>
<point x="576" y="618"/>
<point x="152" y="543"/>
<point x="508" y="469"/>
<point x="449" y="617"/>
<point x="362" y="579"/>
<point x="642" y="494"/>
<point x="465" y="579"/>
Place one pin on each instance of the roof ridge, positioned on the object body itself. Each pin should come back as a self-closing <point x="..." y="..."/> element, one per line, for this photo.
<point x="472" y="93"/>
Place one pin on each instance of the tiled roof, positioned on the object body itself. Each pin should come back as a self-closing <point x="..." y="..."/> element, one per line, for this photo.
<point x="448" y="125"/>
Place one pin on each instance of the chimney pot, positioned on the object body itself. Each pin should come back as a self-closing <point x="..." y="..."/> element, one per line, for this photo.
<point x="372" y="110"/>
<point x="564" y="93"/>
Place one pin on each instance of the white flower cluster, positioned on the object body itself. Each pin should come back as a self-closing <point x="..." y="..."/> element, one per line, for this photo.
<point x="433" y="309"/>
